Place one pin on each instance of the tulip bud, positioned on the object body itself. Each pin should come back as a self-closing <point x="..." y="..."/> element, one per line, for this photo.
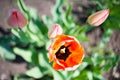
<point x="16" y="19"/>
<point x="98" y="18"/>
<point x="54" y="31"/>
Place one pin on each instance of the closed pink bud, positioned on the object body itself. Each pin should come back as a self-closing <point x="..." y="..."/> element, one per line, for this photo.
<point x="98" y="18"/>
<point x="54" y="31"/>
<point x="16" y="19"/>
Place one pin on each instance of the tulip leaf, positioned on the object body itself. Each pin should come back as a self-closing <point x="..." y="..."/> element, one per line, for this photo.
<point x="43" y="68"/>
<point x="22" y="6"/>
<point x="47" y="20"/>
<point x="35" y="72"/>
<point x="20" y="77"/>
<point x="6" y="54"/>
<point x="67" y="19"/>
<point x="82" y="66"/>
<point x="21" y="35"/>
<point x="88" y="60"/>
<point x="56" y="11"/>
<point x="89" y="75"/>
<point x="82" y="38"/>
<point x="57" y="75"/>
<point x="43" y="59"/>
<point x="98" y="76"/>
<point x="5" y="48"/>
<point x="43" y="62"/>
<point x="25" y="54"/>
<point x="35" y="24"/>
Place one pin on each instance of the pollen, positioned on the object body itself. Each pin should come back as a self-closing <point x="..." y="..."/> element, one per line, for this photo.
<point x="63" y="53"/>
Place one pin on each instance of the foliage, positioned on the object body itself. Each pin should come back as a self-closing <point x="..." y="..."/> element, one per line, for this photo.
<point x="6" y="51"/>
<point x="32" y="43"/>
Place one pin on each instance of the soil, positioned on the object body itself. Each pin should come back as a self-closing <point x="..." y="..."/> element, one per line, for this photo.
<point x="115" y="42"/>
<point x="8" y="69"/>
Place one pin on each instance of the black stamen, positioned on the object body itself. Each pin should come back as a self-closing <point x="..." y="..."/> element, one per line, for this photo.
<point x="62" y="55"/>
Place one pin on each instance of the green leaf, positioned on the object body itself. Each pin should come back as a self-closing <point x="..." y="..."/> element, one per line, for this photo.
<point x="80" y="68"/>
<point x="88" y="60"/>
<point x="6" y="51"/>
<point x="106" y="36"/>
<point x="67" y="18"/>
<point x="35" y="24"/>
<point x="36" y="39"/>
<point x="43" y="68"/>
<point x="68" y="12"/>
<point x="81" y="76"/>
<point x="89" y="75"/>
<point x="35" y="72"/>
<point x="98" y="76"/>
<point x="56" y="11"/>
<point x="25" y="54"/>
<point x="67" y="74"/>
<point x="22" y="6"/>
<point x="83" y="66"/>
<point x="43" y="61"/>
<point x="76" y="73"/>
<point x="47" y="21"/>
<point x="6" y="54"/>
<point x="21" y="77"/>
<point x="57" y="75"/>
<point x="21" y="35"/>
<point x="82" y="37"/>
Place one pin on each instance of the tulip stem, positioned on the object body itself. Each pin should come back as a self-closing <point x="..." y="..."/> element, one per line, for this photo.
<point x="89" y="28"/>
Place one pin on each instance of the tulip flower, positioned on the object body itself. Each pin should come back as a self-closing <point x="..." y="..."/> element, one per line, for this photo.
<point x="16" y="19"/>
<point x="54" y="31"/>
<point x="98" y="18"/>
<point x="66" y="52"/>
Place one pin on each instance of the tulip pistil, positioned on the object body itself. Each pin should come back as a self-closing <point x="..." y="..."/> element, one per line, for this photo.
<point x="63" y="52"/>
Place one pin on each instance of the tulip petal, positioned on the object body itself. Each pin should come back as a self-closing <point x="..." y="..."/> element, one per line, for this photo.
<point x="77" y="55"/>
<point x="57" y="66"/>
<point x="72" y="68"/>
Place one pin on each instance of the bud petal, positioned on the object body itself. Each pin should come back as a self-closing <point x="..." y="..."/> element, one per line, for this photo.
<point x="16" y="19"/>
<point x="98" y="18"/>
<point x="54" y="31"/>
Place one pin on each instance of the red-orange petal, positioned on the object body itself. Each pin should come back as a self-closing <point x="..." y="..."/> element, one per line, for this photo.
<point x="77" y="54"/>
<point x="56" y="66"/>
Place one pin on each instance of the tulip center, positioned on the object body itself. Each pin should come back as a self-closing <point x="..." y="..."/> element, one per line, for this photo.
<point x="63" y="52"/>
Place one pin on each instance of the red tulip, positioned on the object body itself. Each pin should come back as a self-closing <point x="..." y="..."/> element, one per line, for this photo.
<point x="16" y="19"/>
<point x="54" y="31"/>
<point x="98" y="18"/>
<point x="66" y="52"/>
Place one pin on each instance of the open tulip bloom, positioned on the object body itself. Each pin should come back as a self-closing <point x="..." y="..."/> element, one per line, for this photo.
<point x="66" y="52"/>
